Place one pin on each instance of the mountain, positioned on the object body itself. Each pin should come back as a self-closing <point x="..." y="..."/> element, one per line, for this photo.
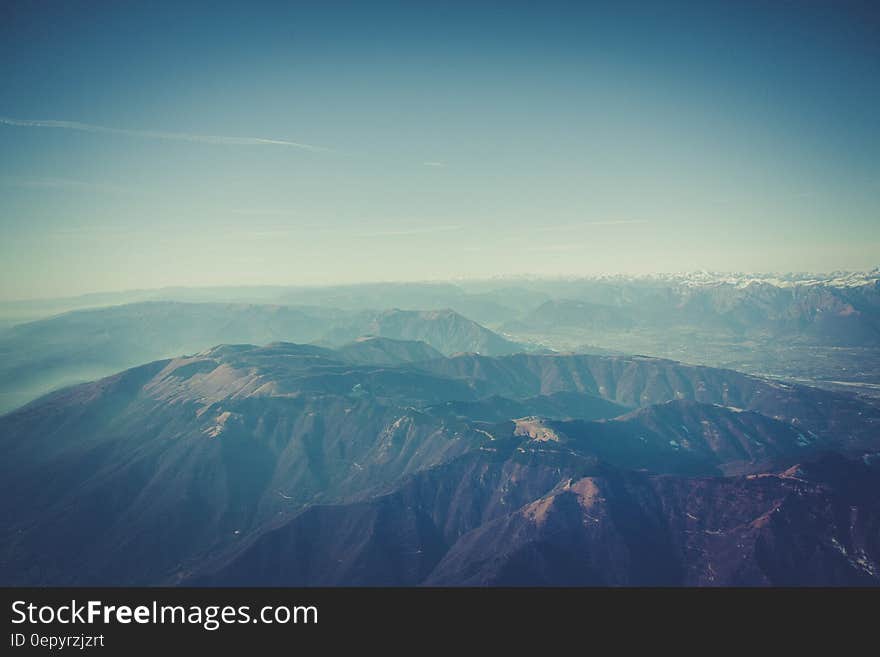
<point x="86" y="344"/>
<point x="519" y="517"/>
<point x="640" y="381"/>
<point x="374" y="350"/>
<point x="39" y="356"/>
<point x="689" y="437"/>
<point x="135" y="477"/>
<point x="818" y="328"/>
<point x="839" y="308"/>
<point x="778" y="529"/>
<point x="445" y="330"/>
<point x="835" y="311"/>
<point x="300" y="464"/>
<point x="491" y="306"/>
<point x="557" y="405"/>
<point x="485" y="302"/>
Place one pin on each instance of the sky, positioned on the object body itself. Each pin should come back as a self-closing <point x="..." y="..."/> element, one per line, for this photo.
<point x="150" y="144"/>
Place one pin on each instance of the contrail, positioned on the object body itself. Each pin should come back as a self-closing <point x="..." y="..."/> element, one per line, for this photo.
<point x="153" y="134"/>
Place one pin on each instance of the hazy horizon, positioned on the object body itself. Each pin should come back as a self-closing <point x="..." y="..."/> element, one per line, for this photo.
<point x="523" y="277"/>
<point x="150" y="145"/>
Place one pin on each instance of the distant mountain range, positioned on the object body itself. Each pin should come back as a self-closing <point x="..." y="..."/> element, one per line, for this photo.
<point x="81" y="345"/>
<point x="386" y="462"/>
<point x="802" y="326"/>
<point x="715" y="319"/>
<point x="736" y="297"/>
<point x="845" y="315"/>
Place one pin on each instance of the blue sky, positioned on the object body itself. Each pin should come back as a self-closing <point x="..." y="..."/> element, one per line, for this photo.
<point x="152" y="144"/>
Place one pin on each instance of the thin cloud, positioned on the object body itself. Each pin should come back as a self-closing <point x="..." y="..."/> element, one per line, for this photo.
<point x="287" y="231"/>
<point x="154" y="134"/>
<point x="557" y="248"/>
<point x="260" y="212"/>
<point x="584" y="224"/>
<point x="227" y="232"/>
<point x="411" y="231"/>
<point x="88" y="230"/>
<point x="62" y="183"/>
<point x="432" y="163"/>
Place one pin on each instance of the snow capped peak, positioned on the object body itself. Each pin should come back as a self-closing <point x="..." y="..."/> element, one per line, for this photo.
<point x="704" y="278"/>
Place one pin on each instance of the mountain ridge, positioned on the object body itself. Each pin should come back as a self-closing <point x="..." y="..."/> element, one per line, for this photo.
<point x="215" y="451"/>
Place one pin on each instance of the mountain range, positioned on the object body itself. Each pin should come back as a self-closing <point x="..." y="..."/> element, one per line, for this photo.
<point x="388" y="462"/>
<point x="82" y="345"/>
<point x="819" y="329"/>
